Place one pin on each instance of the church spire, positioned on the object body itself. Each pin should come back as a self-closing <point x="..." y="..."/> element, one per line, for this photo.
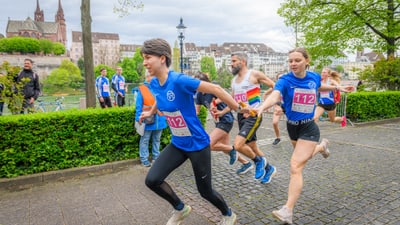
<point x="60" y="12"/>
<point x="39" y="16"/>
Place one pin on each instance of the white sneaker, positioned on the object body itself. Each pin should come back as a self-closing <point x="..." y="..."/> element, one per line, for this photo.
<point x="284" y="215"/>
<point x="178" y="216"/>
<point x="228" y="220"/>
<point x="325" y="152"/>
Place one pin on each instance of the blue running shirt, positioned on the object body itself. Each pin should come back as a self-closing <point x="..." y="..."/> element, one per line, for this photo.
<point x="175" y="101"/>
<point x="299" y="94"/>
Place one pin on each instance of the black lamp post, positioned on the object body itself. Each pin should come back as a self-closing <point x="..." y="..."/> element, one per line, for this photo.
<point x="181" y="31"/>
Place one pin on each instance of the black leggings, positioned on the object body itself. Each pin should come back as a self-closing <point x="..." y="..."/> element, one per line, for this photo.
<point x="170" y="159"/>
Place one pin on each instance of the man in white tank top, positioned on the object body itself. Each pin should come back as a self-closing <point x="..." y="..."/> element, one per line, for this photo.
<point x="246" y="89"/>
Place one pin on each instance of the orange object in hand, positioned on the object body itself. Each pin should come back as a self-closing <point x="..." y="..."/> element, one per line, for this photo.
<point x="252" y="112"/>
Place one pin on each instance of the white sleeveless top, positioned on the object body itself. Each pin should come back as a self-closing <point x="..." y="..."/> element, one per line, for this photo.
<point x="246" y="91"/>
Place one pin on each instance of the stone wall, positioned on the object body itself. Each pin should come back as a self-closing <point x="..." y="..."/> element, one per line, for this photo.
<point x="42" y="65"/>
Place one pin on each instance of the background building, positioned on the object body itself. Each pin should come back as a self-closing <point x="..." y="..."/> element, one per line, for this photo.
<point x="106" y="48"/>
<point x="39" y="28"/>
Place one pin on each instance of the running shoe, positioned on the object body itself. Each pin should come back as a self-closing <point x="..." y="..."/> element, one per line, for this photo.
<point x="284" y="215"/>
<point x="344" y="121"/>
<point x="233" y="156"/>
<point x="146" y="164"/>
<point x="325" y="152"/>
<point x="245" y="168"/>
<point x="178" y="215"/>
<point x="228" y="220"/>
<point x="260" y="168"/>
<point x="276" y="141"/>
<point x="271" y="172"/>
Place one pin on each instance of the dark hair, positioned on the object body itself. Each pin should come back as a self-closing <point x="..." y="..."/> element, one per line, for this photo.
<point x="158" y="47"/>
<point x="30" y="60"/>
<point x="202" y="76"/>
<point x="101" y="70"/>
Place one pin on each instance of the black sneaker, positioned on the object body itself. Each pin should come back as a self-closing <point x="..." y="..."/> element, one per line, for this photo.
<point x="276" y="141"/>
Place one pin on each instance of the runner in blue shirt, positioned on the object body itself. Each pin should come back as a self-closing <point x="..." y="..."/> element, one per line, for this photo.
<point x="118" y="85"/>
<point x="299" y="91"/>
<point x="103" y="89"/>
<point x="174" y="98"/>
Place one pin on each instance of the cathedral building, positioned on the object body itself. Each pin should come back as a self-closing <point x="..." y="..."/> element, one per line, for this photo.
<point x="39" y="28"/>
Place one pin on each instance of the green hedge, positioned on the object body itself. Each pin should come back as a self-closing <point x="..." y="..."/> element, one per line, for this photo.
<point x="51" y="141"/>
<point x="371" y="106"/>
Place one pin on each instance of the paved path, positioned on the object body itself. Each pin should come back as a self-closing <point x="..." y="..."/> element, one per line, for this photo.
<point x="358" y="184"/>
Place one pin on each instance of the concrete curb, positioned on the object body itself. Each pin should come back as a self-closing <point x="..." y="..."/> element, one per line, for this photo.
<point x="377" y="122"/>
<point x="23" y="182"/>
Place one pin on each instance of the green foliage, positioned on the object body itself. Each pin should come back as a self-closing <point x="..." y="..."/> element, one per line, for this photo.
<point x="58" y="48"/>
<point x="224" y="76"/>
<point x="26" y="45"/>
<point x="9" y="95"/>
<point x="67" y="75"/>
<point x="132" y="68"/>
<point x="81" y="66"/>
<point x="330" y="28"/>
<point x="384" y="75"/>
<point x="207" y="65"/>
<point x="203" y="115"/>
<point x="370" y="106"/>
<point x="46" y="46"/>
<point x="58" y="140"/>
<point x="110" y="71"/>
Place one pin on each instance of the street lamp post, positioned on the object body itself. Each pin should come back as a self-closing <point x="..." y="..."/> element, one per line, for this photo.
<point x="181" y="31"/>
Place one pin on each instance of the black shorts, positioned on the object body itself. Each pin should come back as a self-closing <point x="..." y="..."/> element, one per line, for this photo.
<point x="306" y="131"/>
<point x="248" y="127"/>
<point x="225" y="126"/>
<point x="106" y="102"/>
<point x="329" y="107"/>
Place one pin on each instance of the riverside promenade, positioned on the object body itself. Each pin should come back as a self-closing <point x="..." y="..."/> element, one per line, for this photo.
<point x="357" y="184"/>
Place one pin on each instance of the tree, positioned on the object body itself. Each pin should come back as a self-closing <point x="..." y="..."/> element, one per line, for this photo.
<point x="133" y="68"/>
<point x="384" y="75"/>
<point x="86" y="22"/>
<point x="9" y="95"/>
<point x="224" y="76"/>
<point x="207" y="65"/>
<point x="67" y="75"/>
<point x="329" y="28"/>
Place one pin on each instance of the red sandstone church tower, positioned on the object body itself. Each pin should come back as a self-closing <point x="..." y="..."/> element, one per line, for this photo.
<point x="39" y="28"/>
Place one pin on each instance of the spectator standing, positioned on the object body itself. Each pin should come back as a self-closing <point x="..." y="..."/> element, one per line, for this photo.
<point x="31" y="87"/>
<point x="118" y="85"/>
<point x="154" y="125"/>
<point x="103" y="89"/>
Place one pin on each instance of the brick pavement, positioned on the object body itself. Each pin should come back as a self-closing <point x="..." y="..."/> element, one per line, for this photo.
<point x="357" y="184"/>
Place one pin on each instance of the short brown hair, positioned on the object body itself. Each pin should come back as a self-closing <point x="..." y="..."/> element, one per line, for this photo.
<point x="158" y="47"/>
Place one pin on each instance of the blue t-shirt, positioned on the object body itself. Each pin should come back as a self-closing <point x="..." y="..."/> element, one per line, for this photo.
<point x="299" y="94"/>
<point x="118" y="81"/>
<point x="175" y="101"/>
<point x="326" y="97"/>
<point x="102" y="86"/>
<point x="206" y="100"/>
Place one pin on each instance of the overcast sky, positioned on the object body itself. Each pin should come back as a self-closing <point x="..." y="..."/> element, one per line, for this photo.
<point x="207" y="21"/>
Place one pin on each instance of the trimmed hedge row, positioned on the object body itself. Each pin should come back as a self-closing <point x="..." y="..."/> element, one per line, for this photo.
<point x="371" y="106"/>
<point x="52" y="141"/>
